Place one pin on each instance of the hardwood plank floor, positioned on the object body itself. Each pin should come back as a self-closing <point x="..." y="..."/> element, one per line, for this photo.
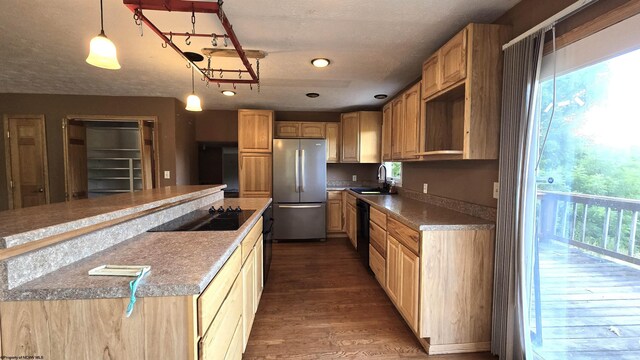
<point x="320" y="303"/>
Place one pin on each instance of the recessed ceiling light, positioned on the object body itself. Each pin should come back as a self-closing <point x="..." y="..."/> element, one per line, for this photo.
<point x="313" y="95"/>
<point x="228" y="92"/>
<point x="320" y="62"/>
<point x="380" y="96"/>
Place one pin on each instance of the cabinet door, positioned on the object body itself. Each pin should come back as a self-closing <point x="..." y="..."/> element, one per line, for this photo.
<point x="334" y="216"/>
<point x="409" y="274"/>
<point x="255" y="175"/>
<point x="453" y="60"/>
<point x="235" y="349"/>
<point x="392" y="273"/>
<point x="412" y="102"/>
<point x="431" y="76"/>
<point x="287" y="129"/>
<point x="313" y="130"/>
<point x="259" y="280"/>
<point x="352" y="226"/>
<point x="332" y="134"/>
<point x="386" y="131"/>
<point x="350" y="137"/>
<point x="248" y="297"/>
<point x="396" y="128"/>
<point x="255" y="131"/>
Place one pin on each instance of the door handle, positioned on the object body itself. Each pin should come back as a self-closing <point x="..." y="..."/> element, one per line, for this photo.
<point x="299" y="206"/>
<point x="302" y="171"/>
<point x="296" y="170"/>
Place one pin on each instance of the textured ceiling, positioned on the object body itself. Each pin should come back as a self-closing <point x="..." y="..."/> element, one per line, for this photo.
<point x="375" y="47"/>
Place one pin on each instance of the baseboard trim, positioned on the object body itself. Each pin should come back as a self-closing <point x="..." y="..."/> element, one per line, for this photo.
<point x="336" y="235"/>
<point x="454" y="348"/>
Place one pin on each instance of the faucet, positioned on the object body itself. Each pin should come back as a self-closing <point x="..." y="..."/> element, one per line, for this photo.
<point x="385" y="185"/>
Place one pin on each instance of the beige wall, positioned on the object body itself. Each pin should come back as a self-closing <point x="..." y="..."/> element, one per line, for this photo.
<point x="175" y="141"/>
<point x="186" y="146"/>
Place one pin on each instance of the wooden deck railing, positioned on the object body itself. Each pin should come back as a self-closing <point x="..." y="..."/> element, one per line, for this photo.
<point x="604" y="225"/>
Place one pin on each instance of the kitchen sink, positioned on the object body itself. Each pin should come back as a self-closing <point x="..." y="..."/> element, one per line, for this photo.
<point x="370" y="191"/>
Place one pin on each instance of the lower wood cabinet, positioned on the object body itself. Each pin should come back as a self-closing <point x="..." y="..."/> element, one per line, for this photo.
<point x="377" y="265"/>
<point x="255" y="174"/>
<point x="334" y="211"/>
<point x="393" y="269"/>
<point x="352" y="225"/>
<point x="409" y="272"/>
<point x="212" y="325"/>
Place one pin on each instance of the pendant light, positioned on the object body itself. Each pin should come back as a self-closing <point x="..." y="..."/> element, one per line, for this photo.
<point x="102" y="52"/>
<point x="193" y="101"/>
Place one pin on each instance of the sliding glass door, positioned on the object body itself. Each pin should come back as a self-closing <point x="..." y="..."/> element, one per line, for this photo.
<point x="584" y="263"/>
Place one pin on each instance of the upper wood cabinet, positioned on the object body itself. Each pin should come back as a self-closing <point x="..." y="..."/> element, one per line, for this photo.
<point x="462" y="96"/>
<point x="361" y="137"/>
<point x="312" y="130"/>
<point x="410" y="122"/>
<point x="453" y="59"/>
<point x="431" y="76"/>
<point x="332" y="134"/>
<point x="387" y="119"/>
<point x="255" y="131"/>
<point x="397" y="114"/>
<point x="287" y="129"/>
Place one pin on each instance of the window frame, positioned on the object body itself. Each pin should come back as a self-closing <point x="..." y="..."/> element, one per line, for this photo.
<point x="390" y="178"/>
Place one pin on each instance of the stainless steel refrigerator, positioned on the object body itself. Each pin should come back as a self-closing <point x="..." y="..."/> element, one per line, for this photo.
<point x="299" y="188"/>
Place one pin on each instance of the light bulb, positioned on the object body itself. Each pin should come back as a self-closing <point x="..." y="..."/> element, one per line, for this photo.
<point x="102" y="53"/>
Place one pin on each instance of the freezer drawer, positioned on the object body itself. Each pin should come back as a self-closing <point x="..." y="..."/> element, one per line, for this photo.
<point x="300" y="221"/>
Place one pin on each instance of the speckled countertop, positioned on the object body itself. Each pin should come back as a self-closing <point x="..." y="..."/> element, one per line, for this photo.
<point x="424" y="216"/>
<point x="182" y="263"/>
<point x="27" y="224"/>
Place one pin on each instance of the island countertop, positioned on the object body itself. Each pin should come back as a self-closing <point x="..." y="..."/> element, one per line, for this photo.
<point x="182" y="263"/>
<point x="423" y="216"/>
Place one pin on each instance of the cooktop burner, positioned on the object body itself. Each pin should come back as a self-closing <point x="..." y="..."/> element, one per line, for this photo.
<point x="219" y="219"/>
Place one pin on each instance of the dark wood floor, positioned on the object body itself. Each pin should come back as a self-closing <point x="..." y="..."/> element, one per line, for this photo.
<point x="320" y="303"/>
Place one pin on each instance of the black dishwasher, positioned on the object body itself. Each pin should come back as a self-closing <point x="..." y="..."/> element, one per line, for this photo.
<point x="363" y="231"/>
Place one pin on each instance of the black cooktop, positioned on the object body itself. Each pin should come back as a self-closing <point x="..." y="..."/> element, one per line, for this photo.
<point x="219" y="219"/>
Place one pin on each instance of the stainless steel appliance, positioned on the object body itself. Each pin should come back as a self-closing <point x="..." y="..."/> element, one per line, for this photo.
<point x="362" y="221"/>
<point x="267" y="238"/>
<point x="299" y="188"/>
<point x="219" y="219"/>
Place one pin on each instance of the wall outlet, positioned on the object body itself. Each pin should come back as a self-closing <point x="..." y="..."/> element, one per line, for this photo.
<point x="496" y="188"/>
<point x="425" y="188"/>
<point x="167" y="174"/>
<point x="354" y="177"/>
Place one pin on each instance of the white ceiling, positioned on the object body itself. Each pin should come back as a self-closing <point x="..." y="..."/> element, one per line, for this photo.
<point x="375" y="47"/>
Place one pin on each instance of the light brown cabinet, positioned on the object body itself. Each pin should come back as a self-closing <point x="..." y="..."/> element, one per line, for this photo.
<point x="248" y="296"/>
<point x="314" y="130"/>
<point x="453" y="60"/>
<point x="397" y="115"/>
<point x="411" y="121"/>
<point x="255" y="131"/>
<point x="287" y="129"/>
<point x="332" y="134"/>
<point x="361" y="137"/>
<point x="334" y="211"/>
<point x="393" y="269"/>
<point x="462" y="85"/>
<point x="387" y="119"/>
<point x="255" y="174"/>
<point x="409" y="272"/>
<point x="352" y="225"/>
<point x="431" y="82"/>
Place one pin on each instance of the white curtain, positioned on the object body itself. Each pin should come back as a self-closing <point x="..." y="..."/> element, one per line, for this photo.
<point x="515" y="227"/>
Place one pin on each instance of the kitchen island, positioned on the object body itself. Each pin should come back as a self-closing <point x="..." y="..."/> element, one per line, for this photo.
<point x="198" y="300"/>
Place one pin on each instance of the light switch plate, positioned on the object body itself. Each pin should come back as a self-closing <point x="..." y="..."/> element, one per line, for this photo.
<point x="496" y="188"/>
<point x="425" y="188"/>
<point x="167" y="174"/>
<point x="354" y="177"/>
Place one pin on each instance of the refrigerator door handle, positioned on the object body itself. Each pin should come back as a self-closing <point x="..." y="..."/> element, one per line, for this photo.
<point x="299" y="206"/>
<point x="297" y="173"/>
<point x="302" y="171"/>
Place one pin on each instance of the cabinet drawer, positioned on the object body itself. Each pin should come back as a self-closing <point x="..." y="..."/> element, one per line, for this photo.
<point x="377" y="264"/>
<point x="378" y="238"/>
<point x="235" y="349"/>
<point x="218" y="338"/>
<point x="405" y="235"/>
<point x="351" y="200"/>
<point x="378" y="217"/>
<point x="287" y="129"/>
<point x="250" y="240"/>
<point x="211" y="299"/>
<point x="334" y="195"/>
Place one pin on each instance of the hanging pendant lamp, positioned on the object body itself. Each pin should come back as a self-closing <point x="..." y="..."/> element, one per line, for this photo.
<point x="102" y="52"/>
<point x="193" y="101"/>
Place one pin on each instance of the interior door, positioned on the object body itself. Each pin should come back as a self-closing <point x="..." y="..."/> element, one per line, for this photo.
<point x="75" y="160"/>
<point x="148" y="155"/>
<point x="286" y="182"/>
<point x="313" y="171"/>
<point x="26" y="161"/>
